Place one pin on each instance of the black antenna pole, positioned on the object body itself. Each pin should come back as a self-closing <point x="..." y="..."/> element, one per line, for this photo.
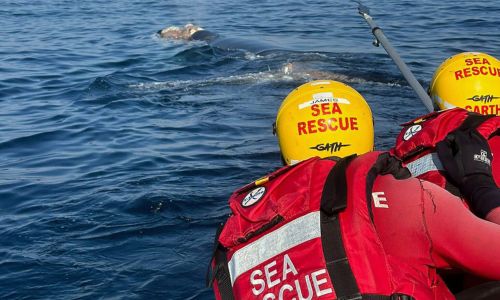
<point x="381" y="39"/>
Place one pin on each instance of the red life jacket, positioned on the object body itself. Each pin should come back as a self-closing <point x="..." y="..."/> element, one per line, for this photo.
<point x="416" y="143"/>
<point x="300" y="233"/>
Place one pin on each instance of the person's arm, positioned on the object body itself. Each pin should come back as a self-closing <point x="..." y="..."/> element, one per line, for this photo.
<point x="494" y="215"/>
<point x="458" y="237"/>
<point x="466" y="157"/>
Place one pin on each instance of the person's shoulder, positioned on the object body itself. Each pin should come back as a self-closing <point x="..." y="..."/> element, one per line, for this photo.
<point x="303" y="169"/>
<point x="424" y="189"/>
<point x="436" y="190"/>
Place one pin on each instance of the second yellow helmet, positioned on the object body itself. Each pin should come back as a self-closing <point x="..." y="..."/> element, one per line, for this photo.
<point x="469" y="80"/>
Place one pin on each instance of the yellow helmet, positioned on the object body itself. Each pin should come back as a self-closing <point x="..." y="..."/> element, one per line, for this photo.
<point x="323" y="118"/>
<point x="469" y="80"/>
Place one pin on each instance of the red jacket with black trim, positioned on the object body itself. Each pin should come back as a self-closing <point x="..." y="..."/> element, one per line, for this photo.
<point x="416" y="143"/>
<point x="327" y="230"/>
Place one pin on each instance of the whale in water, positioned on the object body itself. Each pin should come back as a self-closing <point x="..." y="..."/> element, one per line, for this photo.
<point x="295" y="70"/>
<point x="191" y="32"/>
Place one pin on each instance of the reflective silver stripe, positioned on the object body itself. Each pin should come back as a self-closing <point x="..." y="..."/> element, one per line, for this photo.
<point x="424" y="164"/>
<point x="286" y="237"/>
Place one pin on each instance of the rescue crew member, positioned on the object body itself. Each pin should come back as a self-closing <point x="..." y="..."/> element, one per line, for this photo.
<point x="358" y="227"/>
<point x="471" y="81"/>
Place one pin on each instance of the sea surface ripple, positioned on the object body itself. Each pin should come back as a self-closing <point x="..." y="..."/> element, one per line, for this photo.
<point x="119" y="150"/>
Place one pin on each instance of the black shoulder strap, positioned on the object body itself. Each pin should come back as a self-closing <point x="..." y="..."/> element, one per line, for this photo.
<point x="333" y="201"/>
<point x="334" y="197"/>
<point x="220" y="271"/>
<point x="222" y="274"/>
<point x="473" y="120"/>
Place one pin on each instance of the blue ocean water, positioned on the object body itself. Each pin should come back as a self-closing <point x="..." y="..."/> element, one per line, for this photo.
<point x="118" y="150"/>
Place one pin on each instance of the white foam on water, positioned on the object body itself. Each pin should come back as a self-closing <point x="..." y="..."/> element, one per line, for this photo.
<point x="252" y="56"/>
<point x="288" y="72"/>
<point x="250" y="78"/>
